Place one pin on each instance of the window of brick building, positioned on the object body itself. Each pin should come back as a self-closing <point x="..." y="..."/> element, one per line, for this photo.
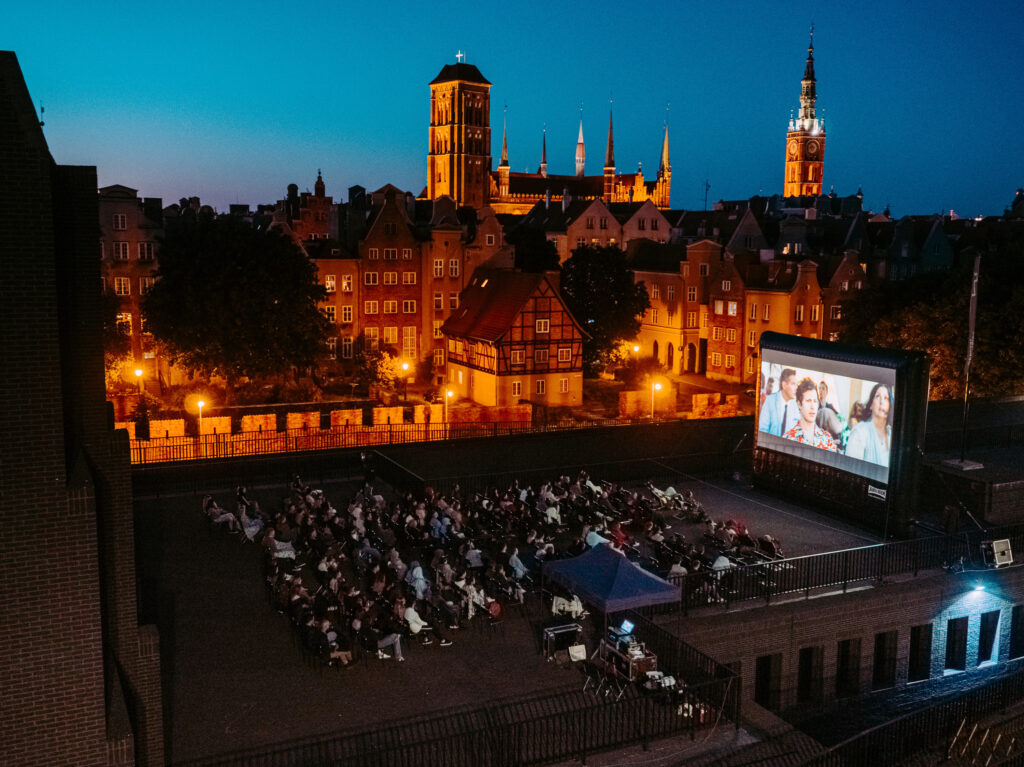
<point x="517" y="388"/>
<point x="919" y="664"/>
<point x="810" y="675"/>
<point x="346" y="283"/>
<point x="330" y="283"/>
<point x="883" y="675"/>
<point x="1017" y="632"/>
<point x="453" y="267"/>
<point x="390" y="278"/>
<point x="956" y="644"/>
<point x="768" y="681"/>
<point x="346" y="313"/>
<point x="438" y="267"/>
<point x="848" y="668"/>
<point x="370" y="278"/>
<point x="331" y="313"/>
<point x="120" y="222"/>
<point x="120" y="251"/>
<point x="391" y="307"/>
<point x="123" y="286"/>
<point x="408" y="278"/>
<point x="409" y="307"/>
<point x="563" y="385"/>
<point x="146" y="251"/>
<point x="542" y="386"/>
<point x="346" y="347"/>
<point x="988" y="635"/>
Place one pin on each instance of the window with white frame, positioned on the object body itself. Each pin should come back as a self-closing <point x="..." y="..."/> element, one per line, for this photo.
<point x="489" y="239"/>
<point x="704" y="319"/>
<point x="733" y="308"/>
<point x="670" y="292"/>
<point x="330" y="283"/>
<point x="346" y="283"/>
<point x="750" y="364"/>
<point x="691" y="294"/>
<point x="730" y="360"/>
<point x="836" y="312"/>
<point x="408" y="307"/>
<point x="369" y="307"/>
<point x="408" y="278"/>
<point x="815" y="312"/>
<point x="332" y="348"/>
<point x="730" y="335"/>
<point x="716" y="333"/>
<point x="542" y="386"/>
<point x="453" y="300"/>
<point x="798" y="313"/>
<point x="716" y="360"/>
<point x="459" y="376"/>
<point x="409" y="341"/>
<point x="564" y="354"/>
<point x="146" y="251"/>
<point x="540" y="355"/>
<point x="373" y="254"/>
<point x="438" y="301"/>
<point x="752" y="338"/>
<point x="703" y="269"/>
<point x="346" y="313"/>
<point x="604" y="222"/>
<point x="370" y="278"/>
<point x="407" y="254"/>
<point x="719" y="306"/>
<point x="390" y="254"/>
<point x="517" y="388"/>
<point x="390" y="335"/>
<point x="753" y="311"/>
<point x="655" y="290"/>
<point x="654" y="316"/>
<point x="542" y="326"/>
<point x="726" y="286"/>
<point x="438" y="358"/>
<point x="844" y="286"/>
<point x="331" y="313"/>
<point x="372" y="338"/>
<point x="438" y="267"/>
<point x="767" y="312"/>
<point x="124" y="323"/>
<point x="391" y="307"/>
<point x="146" y="284"/>
<point x="563" y="385"/>
<point x="590" y="222"/>
<point x="123" y="286"/>
<point x="453" y="267"/>
<point x="691" y="319"/>
<point x="437" y="328"/>
<point x="120" y="222"/>
<point x="120" y="251"/>
<point x="390" y="278"/>
<point x="654" y="224"/>
<point x="346" y="347"/>
<point x="517" y="356"/>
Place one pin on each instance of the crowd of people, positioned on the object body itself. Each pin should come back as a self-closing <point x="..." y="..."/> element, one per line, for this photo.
<point x="371" y="574"/>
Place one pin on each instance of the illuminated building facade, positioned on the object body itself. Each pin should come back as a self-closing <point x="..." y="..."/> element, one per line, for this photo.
<point x="805" y="139"/>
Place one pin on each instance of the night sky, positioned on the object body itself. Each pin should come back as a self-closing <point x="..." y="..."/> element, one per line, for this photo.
<point x="232" y="101"/>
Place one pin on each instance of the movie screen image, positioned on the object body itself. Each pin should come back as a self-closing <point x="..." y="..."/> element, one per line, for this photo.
<point x="832" y="412"/>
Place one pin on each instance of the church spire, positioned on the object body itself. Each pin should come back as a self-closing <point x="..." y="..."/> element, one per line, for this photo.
<point x="581" y="153"/>
<point x="544" y="153"/>
<point x="319" y="189"/>
<point x="609" y="153"/>
<point x="504" y="142"/>
<point x="665" y="165"/>
<point x="808" y="90"/>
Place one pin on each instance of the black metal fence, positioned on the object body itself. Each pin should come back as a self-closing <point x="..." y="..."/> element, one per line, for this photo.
<point x="551" y="727"/>
<point x="895" y="741"/>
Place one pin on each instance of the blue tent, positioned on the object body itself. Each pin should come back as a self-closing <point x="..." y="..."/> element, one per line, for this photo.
<point x="609" y="582"/>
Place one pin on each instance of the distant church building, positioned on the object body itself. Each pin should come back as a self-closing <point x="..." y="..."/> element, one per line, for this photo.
<point x="459" y="160"/>
<point x="805" y="139"/>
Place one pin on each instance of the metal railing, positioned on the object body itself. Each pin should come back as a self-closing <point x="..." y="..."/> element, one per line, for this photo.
<point x="252" y="443"/>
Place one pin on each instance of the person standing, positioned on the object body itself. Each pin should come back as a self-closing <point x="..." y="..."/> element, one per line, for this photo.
<point x="779" y="412"/>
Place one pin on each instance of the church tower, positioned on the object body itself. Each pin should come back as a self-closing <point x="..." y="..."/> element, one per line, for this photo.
<point x="805" y="139"/>
<point x="459" y="153"/>
<point x="581" y="153"/>
<point x="609" y="164"/>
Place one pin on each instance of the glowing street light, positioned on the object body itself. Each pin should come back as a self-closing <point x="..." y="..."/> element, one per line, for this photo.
<point x="200" y="403"/>
<point x="636" y="354"/>
<point x="405" y="380"/>
<point x="655" y="387"/>
<point x="138" y="375"/>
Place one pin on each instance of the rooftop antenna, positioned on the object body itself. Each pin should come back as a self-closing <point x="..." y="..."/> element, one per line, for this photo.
<point x="42" y="111"/>
<point x="707" y="188"/>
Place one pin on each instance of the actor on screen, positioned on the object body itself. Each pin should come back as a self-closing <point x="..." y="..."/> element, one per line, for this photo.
<point x="806" y="430"/>
<point x="778" y="413"/>
<point x="870" y="439"/>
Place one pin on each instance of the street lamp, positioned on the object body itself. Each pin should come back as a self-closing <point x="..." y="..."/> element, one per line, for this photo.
<point x="405" y="380"/>
<point x="447" y="395"/>
<point x="655" y="387"/>
<point x="138" y="375"/>
<point x="636" y="354"/>
<point x="200" y="403"/>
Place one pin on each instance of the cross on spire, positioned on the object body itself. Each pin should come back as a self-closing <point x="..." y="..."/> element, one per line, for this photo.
<point x="460" y="56"/>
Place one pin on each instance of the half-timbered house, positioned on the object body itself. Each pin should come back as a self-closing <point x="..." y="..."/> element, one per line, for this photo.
<point x="512" y="340"/>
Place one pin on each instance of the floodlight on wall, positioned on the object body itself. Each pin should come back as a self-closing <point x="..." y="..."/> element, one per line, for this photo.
<point x="997" y="553"/>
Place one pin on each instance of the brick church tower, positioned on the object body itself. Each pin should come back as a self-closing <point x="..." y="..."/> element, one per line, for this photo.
<point x="80" y="677"/>
<point x="459" y="155"/>
<point x="805" y="139"/>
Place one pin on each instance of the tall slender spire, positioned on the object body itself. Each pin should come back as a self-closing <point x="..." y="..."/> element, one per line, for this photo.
<point x="808" y="89"/>
<point x="665" y="165"/>
<point x="504" y="141"/>
<point x="581" y="153"/>
<point x="609" y="153"/>
<point x="544" y="153"/>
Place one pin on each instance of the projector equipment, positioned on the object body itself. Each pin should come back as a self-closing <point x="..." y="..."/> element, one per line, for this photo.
<point x="997" y="553"/>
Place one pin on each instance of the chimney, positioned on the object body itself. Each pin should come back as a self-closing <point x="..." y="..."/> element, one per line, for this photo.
<point x="565" y="198"/>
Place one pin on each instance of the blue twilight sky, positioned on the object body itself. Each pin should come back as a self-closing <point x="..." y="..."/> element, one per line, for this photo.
<point x="232" y="101"/>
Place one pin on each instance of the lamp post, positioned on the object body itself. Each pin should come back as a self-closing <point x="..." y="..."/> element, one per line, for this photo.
<point x="447" y="395"/>
<point x="200" y="403"/>
<point x="636" y="354"/>
<point x="655" y="387"/>
<point x="138" y="375"/>
<point x="405" y="380"/>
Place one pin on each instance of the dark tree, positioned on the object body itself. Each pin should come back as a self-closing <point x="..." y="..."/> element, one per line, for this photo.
<point x="117" y="343"/>
<point x="599" y="290"/>
<point x="235" y="300"/>
<point x="534" y="252"/>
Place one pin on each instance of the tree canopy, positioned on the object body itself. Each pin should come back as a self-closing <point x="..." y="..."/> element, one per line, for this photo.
<point x="534" y="252"/>
<point x="929" y="312"/>
<point x="599" y="290"/>
<point x="234" y="300"/>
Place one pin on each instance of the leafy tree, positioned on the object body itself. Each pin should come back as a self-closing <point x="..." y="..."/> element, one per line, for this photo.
<point x="599" y="290"/>
<point x="117" y="344"/>
<point x="534" y="251"/>
<point x="234" y="300"/>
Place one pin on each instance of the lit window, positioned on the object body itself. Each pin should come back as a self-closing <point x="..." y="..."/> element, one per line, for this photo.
<point x="733" y="308"/>
<point x="120" y="251"/>
<point x="564" y="354"/>
<point x="836" y="312"/>
<point x="346" y="314"/>
<point x="730" y="360"/>
<point x="409" y="307"/>
<point x="719" y="306"/>
<point x="437" y="328"/>
<point x="798" y="314"/>
<point x="563" y="385"/>
<point x="390" y="278"/>
<point x="146" y="251"/>
<point x="726" y="286"/>
<point x="346" y="348"/>
<point x="439" y="267"/>
<point x="369" y="307"/>
<point x="766" y="312"/>
<point x="730" y="335"/>
<point x="331" y="313"/>
<point x="372" y="337"/>
<point x="518" y="357"/>
<point x="390" y="335"/>
<point x="391" y="307"/>
<point x="542" y="326"/>
<point x="370" y="278"/>
<point x="329" y="283"/>
<point x="716" y="333"/>
<point x="408" y="278"/>
<point x="346" y="283"/>
<point x="542" y="386"/>
<point x="815" y="312"/>
<point x="453" y="267"/>
<point x="120" y="222"/>
<point x="122" y="286"/>
<point x="124" y="323"/>
<point x="844" y="286"/>
<point x="716" y="360"/>
<point x="517" y="388"/>
<point x="691" y="294"/>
